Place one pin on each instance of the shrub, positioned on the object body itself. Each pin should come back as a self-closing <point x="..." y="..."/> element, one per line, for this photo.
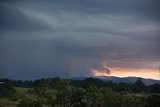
<point x="27" y="102"/>
<point x="153" y="100"/>
<point x="6" y="90"/>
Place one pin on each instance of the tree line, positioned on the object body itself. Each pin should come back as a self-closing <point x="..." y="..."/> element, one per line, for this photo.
<point x="138" y="86"/>
<point x="91" y="92"/>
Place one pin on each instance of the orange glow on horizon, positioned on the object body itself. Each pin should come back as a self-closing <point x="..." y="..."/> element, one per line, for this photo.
<point x="128" y="72"/>
<point x="98" y="73"/>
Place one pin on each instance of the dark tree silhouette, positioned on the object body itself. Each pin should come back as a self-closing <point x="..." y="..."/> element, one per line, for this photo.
<point x="139" y="85"/>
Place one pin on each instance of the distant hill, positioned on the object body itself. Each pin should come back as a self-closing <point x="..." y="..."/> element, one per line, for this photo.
<point x="118" y="79"/>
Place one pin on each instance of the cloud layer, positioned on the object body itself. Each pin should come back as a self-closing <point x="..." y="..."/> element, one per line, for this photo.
<point x="69" y="37"/>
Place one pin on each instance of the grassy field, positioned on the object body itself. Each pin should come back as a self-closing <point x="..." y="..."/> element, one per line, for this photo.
<point x="22" y="90"/>
<point x="6" y="103"/>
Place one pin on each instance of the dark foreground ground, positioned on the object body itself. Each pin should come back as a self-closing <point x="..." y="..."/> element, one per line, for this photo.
<point x="91" y="92"/>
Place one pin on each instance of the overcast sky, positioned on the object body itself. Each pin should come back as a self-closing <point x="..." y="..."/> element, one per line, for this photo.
<point x="47" y="38"/>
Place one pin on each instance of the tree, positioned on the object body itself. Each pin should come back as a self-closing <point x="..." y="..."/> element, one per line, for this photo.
<point x="41" y="90"/>
<point x="92" y="96"/>
<point x="77" y="97"/>
<point x="139" y="85"/>
<point x="110" y="98"/>
<point x="153" y="100"/>
<point x="93" y="82"/>
<point x="155" y="88"/>
<point x="63" y="93"/>
<point x="6" y="89"/>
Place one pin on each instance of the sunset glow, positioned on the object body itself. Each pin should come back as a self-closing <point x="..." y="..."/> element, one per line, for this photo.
<point x="129" y="72"/>
<point x="98" y="73"/>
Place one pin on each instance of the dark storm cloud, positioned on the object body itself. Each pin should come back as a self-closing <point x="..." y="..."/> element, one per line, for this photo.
<point x="69" y="37"/>
<point x="13" y="19"/>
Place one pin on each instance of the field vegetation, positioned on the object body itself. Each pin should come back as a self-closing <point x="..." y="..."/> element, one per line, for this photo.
<point x="91" y="92"/>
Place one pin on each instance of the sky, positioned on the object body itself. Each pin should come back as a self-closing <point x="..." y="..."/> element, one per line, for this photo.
<point x="79" y="38"/>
